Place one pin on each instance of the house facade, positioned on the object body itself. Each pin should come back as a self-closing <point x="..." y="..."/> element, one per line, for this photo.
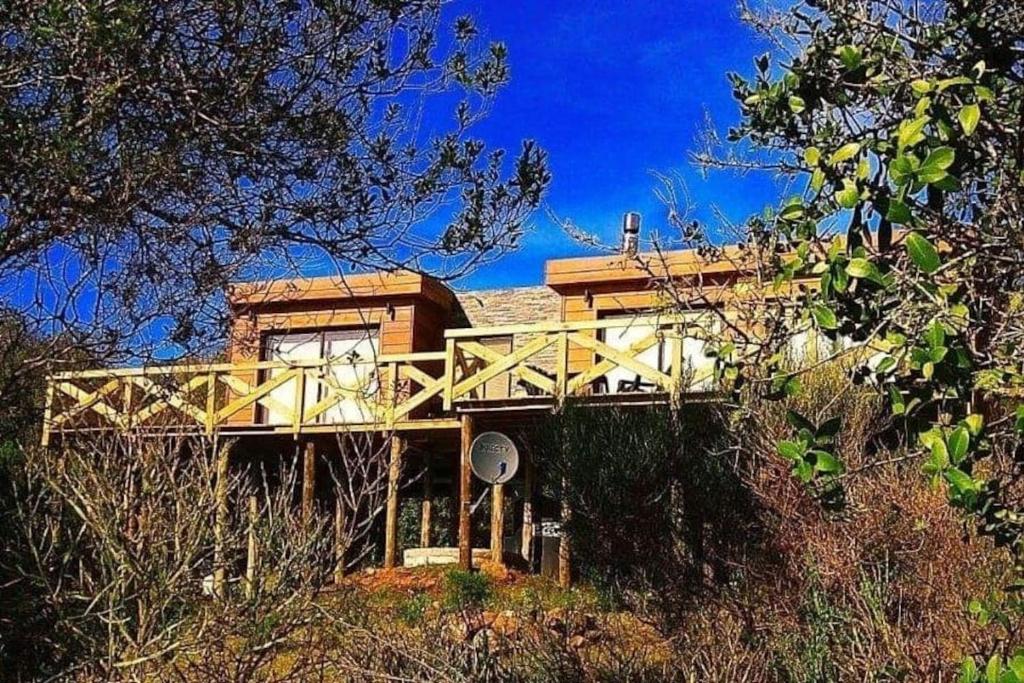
<point x="406" y="359"/>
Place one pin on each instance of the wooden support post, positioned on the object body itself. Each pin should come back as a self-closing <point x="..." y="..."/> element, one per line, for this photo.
<point x="498" y="523"/>
<point x="391" y="521"/>
<point x="425" y="505"/>
<point x="220" y="523"/>
<point x="308" y="483"/>
<point x="564" y="551"/>
<point x="340" y="544"/>
<point x="465" y="496"/>
<point x="526" y="549"/>
<point x="251" y="558"/>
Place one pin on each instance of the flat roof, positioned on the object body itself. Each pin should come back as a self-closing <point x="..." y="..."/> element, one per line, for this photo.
<point x="341" y="288"/>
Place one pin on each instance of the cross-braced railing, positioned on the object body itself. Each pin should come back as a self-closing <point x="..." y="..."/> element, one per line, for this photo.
<point x="274" y="396"/>
<point x="576" y="359"/>
<point x="543" y="363"/>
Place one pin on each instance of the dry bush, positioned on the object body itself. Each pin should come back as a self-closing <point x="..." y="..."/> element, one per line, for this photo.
<point x="870" y="582"/>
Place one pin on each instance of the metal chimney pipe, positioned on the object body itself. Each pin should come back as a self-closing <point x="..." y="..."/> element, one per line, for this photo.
<point x="630" y="232"/>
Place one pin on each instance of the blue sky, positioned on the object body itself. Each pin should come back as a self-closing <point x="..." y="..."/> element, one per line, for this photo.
<point x="614" y="91"/>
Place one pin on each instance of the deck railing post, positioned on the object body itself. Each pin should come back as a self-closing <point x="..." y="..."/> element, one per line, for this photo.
<point x="300" y="396"/>
<point x="449" y="373"/>
<point x="211" y="401"/>
<point x="562" y="367"/>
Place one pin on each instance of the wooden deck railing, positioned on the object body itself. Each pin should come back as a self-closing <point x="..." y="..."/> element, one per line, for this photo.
<point x="545" y="363"/>
<point x="539" y="360"/>
<point x="271" y="396"/>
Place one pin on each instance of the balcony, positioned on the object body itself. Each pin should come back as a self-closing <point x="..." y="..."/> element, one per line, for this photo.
<point x="637" y="360"/>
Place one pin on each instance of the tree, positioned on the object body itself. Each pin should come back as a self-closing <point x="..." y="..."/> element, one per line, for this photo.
<point x="901" y="124"/>
<point x="154" y="151"/>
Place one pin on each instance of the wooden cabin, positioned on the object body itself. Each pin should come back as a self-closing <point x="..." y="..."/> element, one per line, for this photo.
<point x="409" y="359"/>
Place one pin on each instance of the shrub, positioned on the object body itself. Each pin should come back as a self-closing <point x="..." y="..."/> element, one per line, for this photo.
<point x="466" y="590"/>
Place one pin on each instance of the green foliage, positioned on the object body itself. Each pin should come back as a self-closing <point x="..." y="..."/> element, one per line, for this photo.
<point x="466" y="590"/>
<point x="413" y="609"/>
<point x="644" y="487"/>
<point x="905" y="119"/>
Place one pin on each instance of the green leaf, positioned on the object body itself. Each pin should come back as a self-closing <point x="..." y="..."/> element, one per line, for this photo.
<point x="849" y="196"/>
<point x="1017" y="666"/>
<point x="958" y="443"/>
<point x="940" y="158"/>
<point x="790" y="450"/>
<point x="1019" y="422"/>
<point x="935" y="335"/>
<point x="863" y="269"/>
<point x="960" y="481"/>
<point x="969" y="118"/>
<point x="826" y="463"/>
<point x="903" y="168"/>
<point x="817" y="180"/>
<point x="803" y="470"/>
<point x="896" y="400"/>
<point x="974" y="423"/>
<point x="910" y="132"/>
<point x="898" y="213"/>
<point x="993" y="669"/>
<point x="923" y="253"/>
<point x="940" y="454"/>
<point x="921" y="87"/>
<point x="968" y="671"/>
<point x="829" y="429"/>
<point x="799" y="422"/>
<point x="825" y="317"/>
<point x="947" y="83"/>
<point x="812" y="155"/>
<point x="797" y="104"/>
<point x="850" y="56"/>
<point x="844" y="153"/>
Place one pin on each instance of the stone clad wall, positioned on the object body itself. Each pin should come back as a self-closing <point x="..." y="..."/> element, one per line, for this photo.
<point x="513" y="306"/>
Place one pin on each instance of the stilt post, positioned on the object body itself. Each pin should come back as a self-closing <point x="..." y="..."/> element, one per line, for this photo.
<point x="564" y="549"/>
<point x="391" y="521"/>
<point x="425" y="505"/>
<point x="498" y="523"/>
<point x="465" y="496"/>
<point x="220" y="522"/>
<point x="526" y="543"/>
<point x="308" y="483"/>
<point x="251" y="557"/>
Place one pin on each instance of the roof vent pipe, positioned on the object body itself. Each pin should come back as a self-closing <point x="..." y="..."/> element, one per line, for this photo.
<point x="630" y="233"/>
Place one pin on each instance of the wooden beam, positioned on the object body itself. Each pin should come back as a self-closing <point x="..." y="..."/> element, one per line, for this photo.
<point x="220" y="522"/>
<point x="526" y="549"/>
<point x="391" y="521"/>
<point x="251" y="557"/>
<point x="564" y="549"/>
<point x="571" y="326"/>
<point x="498" y="523"/>
<point x="465" y="495"/>
<point x="308" y="483"/>
<point x="426" y="504"/>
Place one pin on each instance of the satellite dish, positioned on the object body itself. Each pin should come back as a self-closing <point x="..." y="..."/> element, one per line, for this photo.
<point x="493" y="457"/>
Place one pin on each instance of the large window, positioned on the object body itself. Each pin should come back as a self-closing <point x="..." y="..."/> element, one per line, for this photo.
<point x="350" y="373"/>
